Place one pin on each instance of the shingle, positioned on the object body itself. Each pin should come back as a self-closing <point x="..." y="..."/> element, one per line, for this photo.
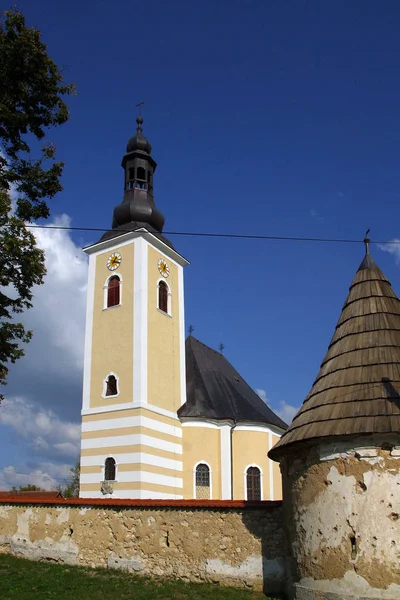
<point x="357" y="388"/>
<point x="215" y="390"/>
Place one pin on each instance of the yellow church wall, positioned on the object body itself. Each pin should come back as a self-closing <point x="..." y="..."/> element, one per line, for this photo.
<point x="201" y="444"/>
<point x="163" y="338"/>
<point x="276" y="473"/>
<point x="249" y="448"/>
<point x="112" y="341"/>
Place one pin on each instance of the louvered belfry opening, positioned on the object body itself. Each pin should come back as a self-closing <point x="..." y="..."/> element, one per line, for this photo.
<point x="357" y="390"/>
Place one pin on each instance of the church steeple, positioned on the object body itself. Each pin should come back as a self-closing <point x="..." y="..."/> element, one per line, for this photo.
<point x="137" y="208"/>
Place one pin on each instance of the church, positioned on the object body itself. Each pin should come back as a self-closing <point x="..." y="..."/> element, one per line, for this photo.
<point x="162" y="417"/>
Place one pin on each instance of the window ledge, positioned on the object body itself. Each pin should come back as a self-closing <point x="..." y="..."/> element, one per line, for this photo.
<point x="111" y="307"/>
<point x="164" y="313"/>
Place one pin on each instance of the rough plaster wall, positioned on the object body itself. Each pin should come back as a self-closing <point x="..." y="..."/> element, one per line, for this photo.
<point x="342" y="509"/>
<point x="235" y="547"/>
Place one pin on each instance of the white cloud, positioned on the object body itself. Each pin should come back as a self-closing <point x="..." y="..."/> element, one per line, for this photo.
<point x="58" y="311"/>
<point x="44" y="432"/>
<point x="45" y="475"/>
<point x="286" y="411"/>
<point x="263" y="394"/>
<point x="51" y="370"/>
<point x="393" y="247"/>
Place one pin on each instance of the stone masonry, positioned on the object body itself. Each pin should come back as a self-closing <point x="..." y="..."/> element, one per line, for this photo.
<point x="232" y="543"/>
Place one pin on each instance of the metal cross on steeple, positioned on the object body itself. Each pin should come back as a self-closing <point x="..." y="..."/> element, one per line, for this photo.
<point x="190" y="329"/>
<point x="221" y="348"/>
<point x="367" y="241"/>
<point x="139" y="106"/>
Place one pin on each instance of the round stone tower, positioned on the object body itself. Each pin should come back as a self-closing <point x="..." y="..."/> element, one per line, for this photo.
<point x="340" y="457"/>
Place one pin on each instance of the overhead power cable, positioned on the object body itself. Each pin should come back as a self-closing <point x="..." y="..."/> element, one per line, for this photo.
<point x="242" y="236"/>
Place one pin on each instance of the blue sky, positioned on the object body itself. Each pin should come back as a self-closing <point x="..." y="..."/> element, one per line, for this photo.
<point x="270" y="118"/>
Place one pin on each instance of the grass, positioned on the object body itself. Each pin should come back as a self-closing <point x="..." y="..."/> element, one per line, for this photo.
<point x="21" y="579"/>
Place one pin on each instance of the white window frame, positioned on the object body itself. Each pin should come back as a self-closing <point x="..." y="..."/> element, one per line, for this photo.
<point x="105" y="386"/>
<point x="261" y="480"/>
<point x="201" y="462"/>
<point x="169" y="300"/>
<point x="105" y="291"/>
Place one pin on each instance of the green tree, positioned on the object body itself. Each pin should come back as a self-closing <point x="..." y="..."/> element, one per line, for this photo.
<point x="71" y="490"/>
<point x="31" y="92"/>
<point x="28" y="488"/>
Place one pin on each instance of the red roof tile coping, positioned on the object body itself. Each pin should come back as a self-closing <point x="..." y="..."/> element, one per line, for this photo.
<point x="192" y="504"/>
<point x="33" y="494"/>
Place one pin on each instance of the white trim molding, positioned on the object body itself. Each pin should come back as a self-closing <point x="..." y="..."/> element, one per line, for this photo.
<point x="261" y="480"/>
<point x="226" y="462"/>
<point x="105" y="380"/>
<point x="260" y="427"/>
<point x="182" y="350"/>
<point x="126" y="238"/>
<point x="140" y="320"/>
<point x="271" y="468"/>
<point x="87" y="360"/>
<point x="201" y="462"/>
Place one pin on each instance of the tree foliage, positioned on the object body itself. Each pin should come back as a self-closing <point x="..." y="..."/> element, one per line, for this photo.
<point x="30" y="487"/>
<point x="31" y="91"/>
<point x="71" y="490"/>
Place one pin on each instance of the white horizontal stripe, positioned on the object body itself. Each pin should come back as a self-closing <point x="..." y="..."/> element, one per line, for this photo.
<point x="204" y="424"/>
<point x="133" y="495"/>
<point x="259" y="427"/>
<point x="128" y="405"/>
<point x="138" y="421"/>
<point x="131" y="440"/>
<point x="133" y="458"/>
<point x="135" y="476"/>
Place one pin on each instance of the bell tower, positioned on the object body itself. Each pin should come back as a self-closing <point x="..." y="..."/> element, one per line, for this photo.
<point x="134" y="363"/>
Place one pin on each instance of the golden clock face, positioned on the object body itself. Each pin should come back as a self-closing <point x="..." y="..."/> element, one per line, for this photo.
<point x="163" y="268"/>
<point x="114" y="261"/>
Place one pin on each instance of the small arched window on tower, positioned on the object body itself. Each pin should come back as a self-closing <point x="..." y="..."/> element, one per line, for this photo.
<point x="163" y="293"/>
<point x="109" y="469"/>
<point x="202" y="482"/>
<point x="253" y="483"/>
<point x="111" y="386"/>
<point x="113" y="291"/>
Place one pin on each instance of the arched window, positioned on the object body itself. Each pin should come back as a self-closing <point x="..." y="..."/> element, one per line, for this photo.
<point x="202" y="482"/>
<point x="113" y="291"/>
<point x="109" y="469"/>
<point x="111" y="386"/>
<point x="253" y="483"/>
<point x="163" y="296"/>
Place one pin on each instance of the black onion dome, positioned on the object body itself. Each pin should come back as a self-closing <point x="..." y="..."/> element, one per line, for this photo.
<point x="138" y="141"/>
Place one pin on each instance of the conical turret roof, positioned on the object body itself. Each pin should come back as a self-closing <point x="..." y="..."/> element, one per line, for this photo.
<point x="357" y="389"/>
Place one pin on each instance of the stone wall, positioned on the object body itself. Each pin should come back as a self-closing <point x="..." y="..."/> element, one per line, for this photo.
<point x="230" y="542"/>
<point x="342" y="517"/>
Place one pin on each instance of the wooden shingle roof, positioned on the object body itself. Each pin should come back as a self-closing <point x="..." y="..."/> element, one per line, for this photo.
<point x="357" y="389"/>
